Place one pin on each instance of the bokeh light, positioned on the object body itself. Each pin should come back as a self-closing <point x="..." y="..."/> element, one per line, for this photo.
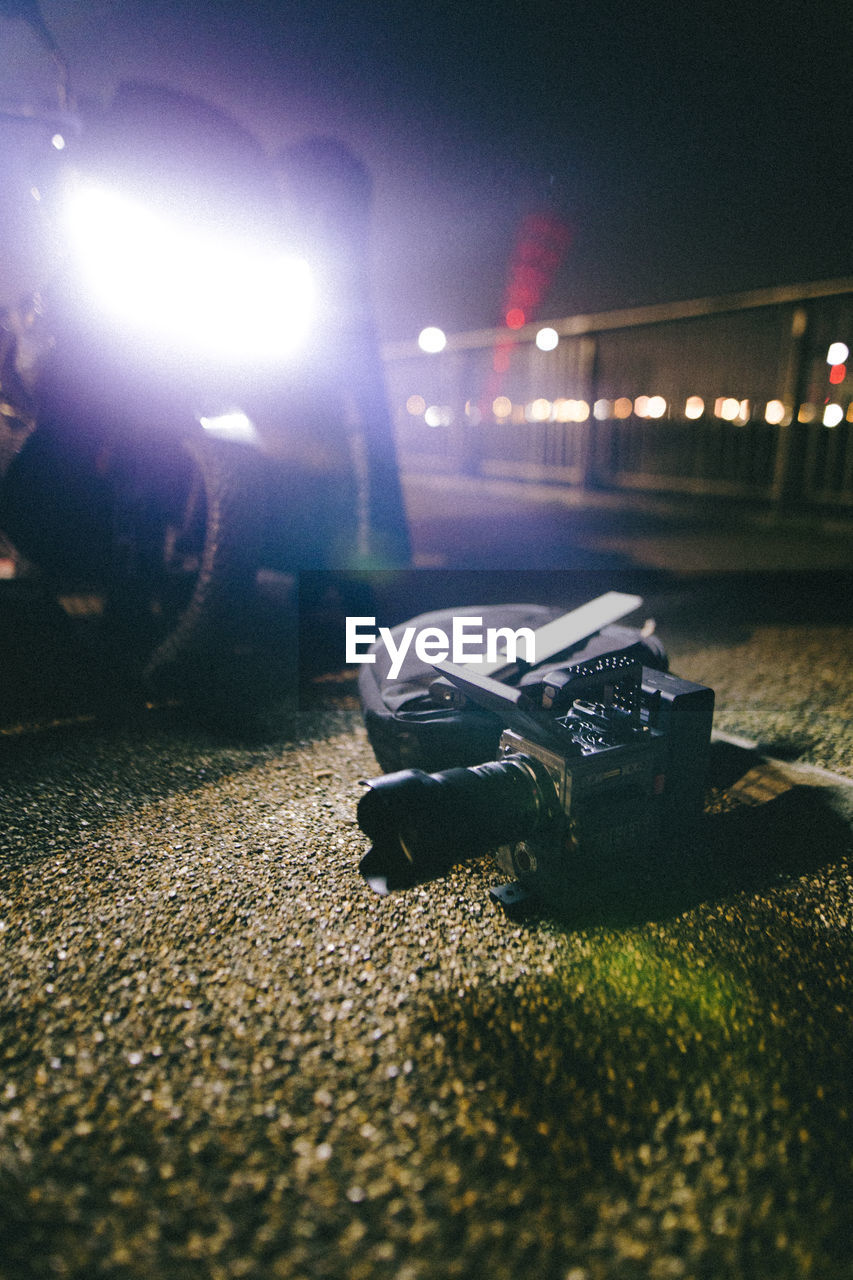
<point x="694" y="407"/>
<point x="538" y="411"/>
<point x="838" y="353"/>
<point x="727" y="408"/>
<point x="774" y="412"/>
<point x="432" y="340"/>
<point x="438" y="415"/>
<point x="833" y="414"/>
<point x="547" y="339"/>
<point x="415" y="405"/>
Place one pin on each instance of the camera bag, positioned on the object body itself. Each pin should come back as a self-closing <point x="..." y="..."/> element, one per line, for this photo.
<point x="407" y="729"/>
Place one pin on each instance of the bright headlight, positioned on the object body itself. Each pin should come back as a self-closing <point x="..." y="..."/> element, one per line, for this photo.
<point x="195" y="290"/>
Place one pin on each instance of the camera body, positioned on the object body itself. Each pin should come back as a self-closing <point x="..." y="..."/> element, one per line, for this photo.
<point x="599" y="776"/>
<point x="626" y="759"/>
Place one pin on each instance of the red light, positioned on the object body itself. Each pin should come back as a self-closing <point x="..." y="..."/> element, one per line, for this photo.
<point x="515" y="318"/>
<point x="837" y="373"/>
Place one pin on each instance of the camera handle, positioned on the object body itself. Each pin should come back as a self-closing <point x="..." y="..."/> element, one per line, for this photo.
<point x="514" y="707"/>
<point x="570" y="631"/>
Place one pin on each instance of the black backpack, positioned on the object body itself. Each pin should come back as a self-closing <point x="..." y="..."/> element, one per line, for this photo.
<point x="409" y="729"/>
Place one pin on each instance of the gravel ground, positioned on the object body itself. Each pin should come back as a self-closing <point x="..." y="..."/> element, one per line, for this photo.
<point x="222" y="1056"/>
<point x="788" y="687"/>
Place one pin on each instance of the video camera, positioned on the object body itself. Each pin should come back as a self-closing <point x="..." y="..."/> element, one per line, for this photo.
<point x="600" y="771"/>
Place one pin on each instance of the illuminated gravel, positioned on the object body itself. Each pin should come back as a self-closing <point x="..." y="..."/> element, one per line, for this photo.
<point x="789" y="687"/>
<point x="223" y="1057"/>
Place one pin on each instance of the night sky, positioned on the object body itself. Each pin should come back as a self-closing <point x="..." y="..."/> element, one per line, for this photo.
<point x="692" y="149"/>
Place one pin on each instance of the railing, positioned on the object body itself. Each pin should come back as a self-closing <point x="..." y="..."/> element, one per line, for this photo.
<point x="731" y="396"/>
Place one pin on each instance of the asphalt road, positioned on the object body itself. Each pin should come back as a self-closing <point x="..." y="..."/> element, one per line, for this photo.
<point x="223" y="1056"/>
<point x="509" y="525"/>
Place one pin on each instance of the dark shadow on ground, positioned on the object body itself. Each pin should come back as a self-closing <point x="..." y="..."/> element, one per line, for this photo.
<point x="763" y="826"/>
<point x="664" y="1069"/>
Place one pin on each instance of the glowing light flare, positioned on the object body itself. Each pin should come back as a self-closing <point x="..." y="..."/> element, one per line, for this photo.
<point x="205" y="293"/>
<point x="415" y="405"/>
<point x="775" y="412"/>
<point x="515" y="318"/>
<point x="807" y="413"/>
<point x="641" y="406"/>
<point x="837" y="374"/>
<point x="432" y="340"/>
<point x="656" y="407"/>
<point x="694" y="407"/>
<point x="502" y="407"/>
<point x="601" y="410"/>
<point x="838" y="353"/>
<point x="833" y="414"/>
<point x="547" y="339"/>
<point x="234" y="426"/>
<point x="623" y="407"/>
<point x="58" y="142"/>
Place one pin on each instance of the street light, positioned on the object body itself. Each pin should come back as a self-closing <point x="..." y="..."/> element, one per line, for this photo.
<point x="547" y="339"/>
<point x="432" y="340"/>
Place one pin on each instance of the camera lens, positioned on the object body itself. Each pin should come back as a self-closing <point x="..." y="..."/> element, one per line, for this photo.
<point x="421" y="823"/>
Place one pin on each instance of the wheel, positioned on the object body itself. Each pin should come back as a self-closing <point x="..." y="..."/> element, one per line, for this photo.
<point x="167" y="536"/>
<point x="196" y="579"/>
